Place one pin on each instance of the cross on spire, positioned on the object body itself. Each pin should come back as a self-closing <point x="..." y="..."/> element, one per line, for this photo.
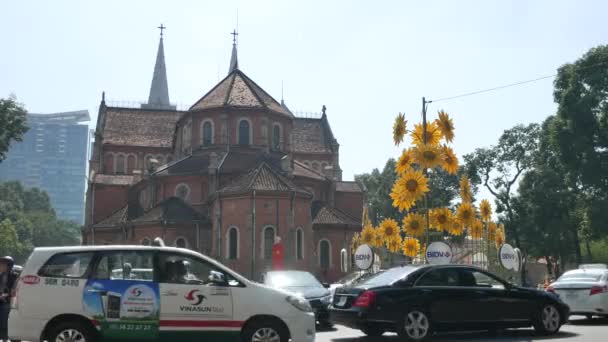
<point x="161" y="28"/>
<point x="234" y="34"/>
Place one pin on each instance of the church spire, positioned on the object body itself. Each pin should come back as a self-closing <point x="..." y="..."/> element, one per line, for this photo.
<point x="159" y="90"/>
<point x="234" y="63"/>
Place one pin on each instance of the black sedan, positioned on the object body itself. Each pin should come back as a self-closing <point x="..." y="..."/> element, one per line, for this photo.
<point x="416" y="301"/>
<point x="305" y="285"/>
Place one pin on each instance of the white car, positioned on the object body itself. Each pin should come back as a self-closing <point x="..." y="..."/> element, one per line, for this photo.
<point x="75" y="294"/>
<point x="585" y="290"/>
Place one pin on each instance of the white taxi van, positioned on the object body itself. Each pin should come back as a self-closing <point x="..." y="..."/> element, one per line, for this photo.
<point x="100" y="293"/>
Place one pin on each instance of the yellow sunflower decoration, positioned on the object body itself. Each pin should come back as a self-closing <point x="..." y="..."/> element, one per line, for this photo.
<point x="399" y="129"/>
<point x="465" y="190"/>
<point x="367" y="234"/>
<point x="378" y="239"/>
<point x="465" y="214"/>
<point x="492" y="229"/>
<point x="500" y="237"/>
<point x="411" y="247"/>
<point x="413" y="224"/>
<point x="404" y="162"/>
<point x="355" y="242"/>
<point x="394" y="245"/>
<point x="476" y="230"/>
<point x="449" y="160"/>
<point x="433" y="134"/>
<point x="408" y="189"/>
<point x="456" y="228"/>
<point x="441" y="219"/>
<point x="446" y="126"/>
<point x="485" y="210"/>
<point x="389" y="229"/>
<point x="427" y="156"/>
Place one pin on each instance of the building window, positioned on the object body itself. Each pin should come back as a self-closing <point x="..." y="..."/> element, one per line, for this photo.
<point x="268" y="242"/>
<point x="316" y="166"/>
<point x="145" y="241"/>
<point x="276" y="137"/>
<point x="120" y="164"/>
<point x="244" y="133"/>
<point x="207" y="133"/>
<point x="299" y="244"/>
<point x="181" y="242"/>
<point x="182" y="191"/>
<point x="233" y="243"/>
<point x="343" y="260"/>
<point x="324" y="254"/>
<point x="131" y="163"/>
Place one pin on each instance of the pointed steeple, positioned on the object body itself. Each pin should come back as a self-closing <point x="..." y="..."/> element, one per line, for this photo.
<point x="234" y="63"/>
<point x="159" y="90"/>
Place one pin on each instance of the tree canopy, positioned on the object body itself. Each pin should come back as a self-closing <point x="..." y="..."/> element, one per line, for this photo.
<point x="13" y="124"/>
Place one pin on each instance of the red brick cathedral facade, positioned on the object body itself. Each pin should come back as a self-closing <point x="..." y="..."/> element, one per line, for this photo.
<point x="227" y="178"/>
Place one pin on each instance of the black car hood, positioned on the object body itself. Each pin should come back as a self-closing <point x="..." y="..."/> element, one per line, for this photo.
<point x="308" y="291"/>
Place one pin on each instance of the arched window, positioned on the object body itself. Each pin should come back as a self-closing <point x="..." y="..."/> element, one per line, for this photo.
<point x="131" y="163"/>
<point x="207" y="133"/>
<point x="306" y="163"/>
<point x="244" y="136"/>
<point x="145" y="241"/>
<point x="316" y="166"/>
<point x="324" y="254"/>
<point x="268" y="242"/>
<point x="160" y="159"/>
<point x="276" y="137"/>
<point x="299" y="244"/>
<point x="233" y="243"/>
<point x="181" y="242"/>
<point x="343" y="260"/>
<point x="121" y="164"/>
<point x="182" y="191"/>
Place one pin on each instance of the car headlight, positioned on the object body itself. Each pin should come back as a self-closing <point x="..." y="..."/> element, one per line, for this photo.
<point x="299" y="303"/>
<point x="326" y="299"/>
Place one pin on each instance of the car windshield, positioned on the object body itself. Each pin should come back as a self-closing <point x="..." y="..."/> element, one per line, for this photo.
<point x="388" y="277"/>
<point x="291" y="279"/>
<point x="580" y="276"/>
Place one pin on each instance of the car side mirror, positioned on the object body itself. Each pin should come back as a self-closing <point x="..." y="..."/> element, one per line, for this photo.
<point x="216" y="278"/>
<point x="326" y="285"/>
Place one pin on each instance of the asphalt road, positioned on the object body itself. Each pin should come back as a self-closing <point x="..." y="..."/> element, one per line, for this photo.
<point x="579" y="329"/>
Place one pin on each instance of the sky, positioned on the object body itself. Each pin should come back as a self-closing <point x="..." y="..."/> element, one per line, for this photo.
<point x="365" y="60"/>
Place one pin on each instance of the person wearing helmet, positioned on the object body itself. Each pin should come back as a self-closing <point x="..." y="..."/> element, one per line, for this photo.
<point x="7" y="283"/>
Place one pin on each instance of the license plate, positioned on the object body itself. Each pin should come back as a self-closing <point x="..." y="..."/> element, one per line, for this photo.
<point x="342" y="301"/>
<point x="571" y="295"/>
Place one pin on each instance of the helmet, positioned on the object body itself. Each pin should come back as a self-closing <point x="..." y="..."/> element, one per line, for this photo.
<point x="8" y="260"/>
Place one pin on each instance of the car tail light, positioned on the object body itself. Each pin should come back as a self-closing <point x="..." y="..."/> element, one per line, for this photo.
<point x="550" y="289"/>
<point x="598" y="290"/>
<point x="365" y="300"/>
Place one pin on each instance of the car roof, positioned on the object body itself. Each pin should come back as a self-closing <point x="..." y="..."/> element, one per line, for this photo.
<point x="597" y="271"/>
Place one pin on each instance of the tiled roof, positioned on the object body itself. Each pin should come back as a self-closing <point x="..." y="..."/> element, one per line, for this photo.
<point x="331" y="215"/>
<point x="172" y="209"/>
<point x="116" y="218"/>
<point x="302" y="170"/>
<point x="239" y="91"/>
<point x="113" y="179"/>
<point x="348" y="187"/>
<point x="262" y="178"/>
<point x="310" y="136"/>
<point x="188" y="165"/>
<point x="139" y="127"/>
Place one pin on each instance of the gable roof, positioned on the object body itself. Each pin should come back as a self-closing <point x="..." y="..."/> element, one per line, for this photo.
<point x="239" y="91"/>
<point x="330" y="215"/>
<point x="139" y="127"/>
<point x="312" y="136"/>
<point x="172" y="209"/>
<point x="261" y="178"/>
<point x="116" y="218"/>
<point x="301" y="170"/>
<point x="348" y="187"/>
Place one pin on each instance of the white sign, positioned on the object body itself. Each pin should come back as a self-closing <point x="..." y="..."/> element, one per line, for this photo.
<point x="508" y="257"/>
<point x="439" y="253"/>
<point x="364" y="257"/>
<point x="518" y="260"/>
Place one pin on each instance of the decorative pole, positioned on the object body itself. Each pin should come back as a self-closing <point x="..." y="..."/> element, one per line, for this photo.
<point x="425" y="171"/>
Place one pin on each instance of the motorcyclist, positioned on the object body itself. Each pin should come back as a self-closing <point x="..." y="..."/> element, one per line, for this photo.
<point x="7" y="284"/>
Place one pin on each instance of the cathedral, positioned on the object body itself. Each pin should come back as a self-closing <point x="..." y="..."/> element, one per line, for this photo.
<point x="231" y="177"/>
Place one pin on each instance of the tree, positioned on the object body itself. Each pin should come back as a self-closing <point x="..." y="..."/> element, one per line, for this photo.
<point x="499" y="167"/>
<point x="9" y="244"/>
<point x="13" y="124"/>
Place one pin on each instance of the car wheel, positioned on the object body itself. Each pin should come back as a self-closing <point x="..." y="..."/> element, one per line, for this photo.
<point x="416" y="326"/>
<point x="548" y="320"/>
<point x="372" y="331"/>
<point x="71" y="332"/>
<point x="266" y="331"/>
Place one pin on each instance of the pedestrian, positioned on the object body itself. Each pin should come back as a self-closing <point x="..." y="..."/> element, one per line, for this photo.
<point x="7" y="283"/>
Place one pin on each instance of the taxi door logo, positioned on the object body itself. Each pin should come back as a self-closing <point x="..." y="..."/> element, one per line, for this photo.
<point x="194" y="298"/>
<point x="136" y="292"/>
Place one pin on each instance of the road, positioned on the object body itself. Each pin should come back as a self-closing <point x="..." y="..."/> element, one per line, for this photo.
<point x="579" y="329"/>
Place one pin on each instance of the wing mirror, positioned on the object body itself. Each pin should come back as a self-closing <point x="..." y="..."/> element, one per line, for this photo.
<point x="216" y="277"/>
<point x="325" y="285"/>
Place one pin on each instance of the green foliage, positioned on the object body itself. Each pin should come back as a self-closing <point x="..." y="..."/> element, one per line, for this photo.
<point x="13" y="123"/>
<point x="9" y="244"/>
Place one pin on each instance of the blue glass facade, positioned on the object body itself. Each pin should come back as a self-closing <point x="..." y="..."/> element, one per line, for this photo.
<point x="53" y="157"/>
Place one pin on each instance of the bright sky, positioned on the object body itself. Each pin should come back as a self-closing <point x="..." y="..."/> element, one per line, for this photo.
<point x="365" y="60"/>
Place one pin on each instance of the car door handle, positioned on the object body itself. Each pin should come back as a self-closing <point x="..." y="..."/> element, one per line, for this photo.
<point x="101" y="292"/>
<point x="426" y="291"/>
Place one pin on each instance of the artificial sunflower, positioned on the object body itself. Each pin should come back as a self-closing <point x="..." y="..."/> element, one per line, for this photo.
<point x="465" y="214"/>
<point x="413" y="224"/>
<point x="399" y="129"/>
<point x="441" y="219"/>
<point x="427" y="156"/>
<point x="433" y="134"/>
<point x="456" y="228"/>
<point x="411" y="247"/>
<point x="446" y="126"/>
<point x="404" y="162"/>
<point x="485" y="209"/>
<point x="500" y="237"/>
<point x="492" y="229"/>
<point x="365" y="217"/>
<point x="389" y="229"/>
<point x="450" y="161"/>
<point x="378" y="239"/>
<point x="476" y="230"/>
<point x="465" y="189"/>
<point x="367" y="234"/>
<point x="408" y="188"/>
<point x="394" y="245"/>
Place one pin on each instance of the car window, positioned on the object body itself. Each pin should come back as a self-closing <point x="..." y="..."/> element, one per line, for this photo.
<point x="67" y="265"/>
<point x="388" y="277"/>
<point x="183" y="269"/>
<point x="480" y="279"/>
<point x="439" y="277"/>
<point x="126" y="265"/>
